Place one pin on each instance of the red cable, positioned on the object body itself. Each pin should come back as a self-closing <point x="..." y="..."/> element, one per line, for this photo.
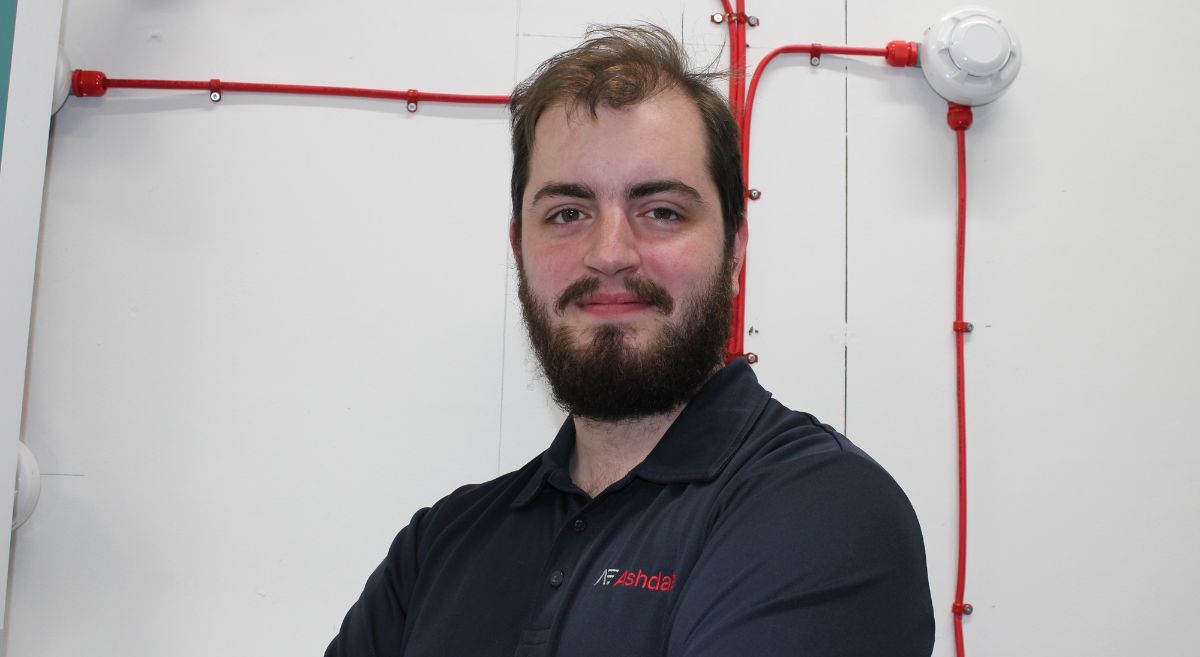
<point x="814" y="49"/>
<point x="735" y="345"/>
<point x="95" y="83"/>
<point x="896" y="53"/>
<point x="959" y="118"/>
<point x="743" y="110"/>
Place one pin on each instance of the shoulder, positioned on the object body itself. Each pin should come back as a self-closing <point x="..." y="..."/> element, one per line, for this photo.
<point x="780" y="432"/>
<point x="807" y="480"/>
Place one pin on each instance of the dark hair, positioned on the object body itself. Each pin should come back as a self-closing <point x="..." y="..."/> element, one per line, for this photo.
<point x="618" y="66"/>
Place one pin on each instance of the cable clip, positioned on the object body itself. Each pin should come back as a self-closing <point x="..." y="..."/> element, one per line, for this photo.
<point x="963" y="327"/>
<point x="962" y="609"/>
<point x="214" y="90"/>
<point x="413" y="96"/>
<point x="734" y="19"/>
<point x="815" y="54"/>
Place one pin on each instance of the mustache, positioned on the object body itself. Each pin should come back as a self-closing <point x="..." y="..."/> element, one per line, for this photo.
<point x="647" y="291"/>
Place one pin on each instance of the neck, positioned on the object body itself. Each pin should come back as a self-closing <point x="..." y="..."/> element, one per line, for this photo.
<point x="606" y="451"/>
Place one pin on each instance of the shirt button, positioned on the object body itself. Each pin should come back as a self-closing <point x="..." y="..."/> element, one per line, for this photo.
<point x="579" y="525"/>
<point x="556" y="578"/>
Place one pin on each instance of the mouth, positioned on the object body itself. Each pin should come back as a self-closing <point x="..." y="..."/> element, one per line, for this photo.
<point x="608" y="304"/>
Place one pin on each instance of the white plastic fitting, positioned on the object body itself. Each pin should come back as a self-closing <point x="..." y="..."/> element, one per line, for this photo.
<point x="970" y="57"/>
<point x="62" y="82"/>
<point x="28" y="486"/>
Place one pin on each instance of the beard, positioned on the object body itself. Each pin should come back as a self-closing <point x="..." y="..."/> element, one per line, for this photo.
<point x="607" y="379"/>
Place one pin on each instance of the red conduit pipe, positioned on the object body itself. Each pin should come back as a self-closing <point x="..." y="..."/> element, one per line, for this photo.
<point x="896" y="53"/>
<point x="960" y="117"/>
<point x="96" y="83"/>
<point x="735" y="345"/>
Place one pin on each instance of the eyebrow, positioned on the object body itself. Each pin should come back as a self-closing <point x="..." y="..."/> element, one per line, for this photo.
<point x="640" y="190"/>
<point x="652" y="187"/>
<point x="570" y="190"/>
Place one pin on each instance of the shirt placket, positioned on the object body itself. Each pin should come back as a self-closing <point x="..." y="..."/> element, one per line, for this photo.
<point x="561" y="579"/>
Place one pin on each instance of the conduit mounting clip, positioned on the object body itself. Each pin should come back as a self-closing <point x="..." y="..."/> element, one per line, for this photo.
<point x="754" y="194"/>
<point x="719" y="18"/>
<point x="214" y="90"/>
<point x="751" y="358"/>
<point x="413" y="97"/>
<point x="815" y="54"/>
<point x="963" y="327"/>
<point x="964" y="609"/>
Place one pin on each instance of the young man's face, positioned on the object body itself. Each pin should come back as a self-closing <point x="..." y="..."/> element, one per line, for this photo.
<point x="622" y="250"/>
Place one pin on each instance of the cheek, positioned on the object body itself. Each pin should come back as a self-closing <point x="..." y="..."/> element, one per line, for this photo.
<point x="683" y="271"/>
<point x="550" y="268"/>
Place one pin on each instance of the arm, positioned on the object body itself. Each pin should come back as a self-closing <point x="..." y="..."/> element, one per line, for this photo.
<point x="818" y="556"/>
<point x="374" y="626"/>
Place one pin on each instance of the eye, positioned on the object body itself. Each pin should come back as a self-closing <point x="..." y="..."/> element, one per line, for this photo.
<point x="565" y="216"/>
<point x="665" y="214"/>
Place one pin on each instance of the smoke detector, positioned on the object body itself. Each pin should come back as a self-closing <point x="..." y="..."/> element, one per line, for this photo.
<point x="970" y="56"/>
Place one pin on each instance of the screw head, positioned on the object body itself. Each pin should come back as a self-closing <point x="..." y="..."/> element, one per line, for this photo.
<point x="752" y="21"/>
<point x="215" y="96"/>
<point x="815" y="61"/>
<point x="717" y="18"/>
<point x="752" y="358"/>
<point x="412" y="107"/>
<point x="968" y="610"/>
<point x="755" y="195"/>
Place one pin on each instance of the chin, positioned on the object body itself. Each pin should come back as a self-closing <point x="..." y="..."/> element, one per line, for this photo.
<point x="631" y="335"/>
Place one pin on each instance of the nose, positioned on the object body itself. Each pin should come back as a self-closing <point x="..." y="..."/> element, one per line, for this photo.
<point x="613" y="246"/>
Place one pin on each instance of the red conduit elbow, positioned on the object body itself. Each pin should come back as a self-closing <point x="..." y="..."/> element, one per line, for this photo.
<point x="741" y="102"/>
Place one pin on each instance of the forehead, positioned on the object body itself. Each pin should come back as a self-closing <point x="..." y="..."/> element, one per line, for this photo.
<point x="662" y="137"/>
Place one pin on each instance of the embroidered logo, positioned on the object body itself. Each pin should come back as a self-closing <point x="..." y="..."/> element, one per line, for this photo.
<point x="615" y="577"/>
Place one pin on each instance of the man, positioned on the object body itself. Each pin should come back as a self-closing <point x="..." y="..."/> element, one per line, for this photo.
<point x="680" y="511"/>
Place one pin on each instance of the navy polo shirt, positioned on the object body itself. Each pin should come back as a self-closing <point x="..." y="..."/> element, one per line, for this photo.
<point x="750" y="529"/>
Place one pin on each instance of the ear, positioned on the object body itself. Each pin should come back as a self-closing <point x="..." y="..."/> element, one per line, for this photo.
<point x="514" y="239"/>
<point x="739" y="255"/>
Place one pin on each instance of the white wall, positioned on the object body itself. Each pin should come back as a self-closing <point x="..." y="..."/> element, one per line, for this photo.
<point x="26" y="120"/>
<point x="267" y="331"/>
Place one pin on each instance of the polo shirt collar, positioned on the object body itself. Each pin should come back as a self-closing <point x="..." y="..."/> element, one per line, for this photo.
<point x="695" y="448"/>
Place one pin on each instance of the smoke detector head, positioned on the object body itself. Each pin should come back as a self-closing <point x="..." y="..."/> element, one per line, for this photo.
<point x="970" y="57"/>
